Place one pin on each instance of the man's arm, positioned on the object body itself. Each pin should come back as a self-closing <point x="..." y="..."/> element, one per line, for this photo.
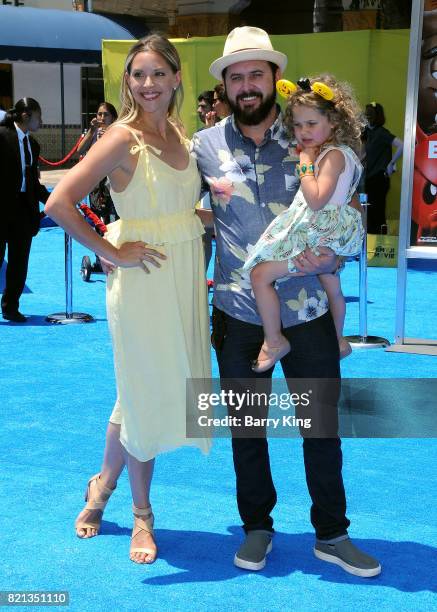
<point x="309" y="264"/>
<point x="43" y="193"/>
<point x="41" y="190"/>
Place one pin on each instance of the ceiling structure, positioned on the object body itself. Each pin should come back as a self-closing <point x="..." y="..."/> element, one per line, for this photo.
<point x="161" y="8"/>
<point x="185" y="18"/>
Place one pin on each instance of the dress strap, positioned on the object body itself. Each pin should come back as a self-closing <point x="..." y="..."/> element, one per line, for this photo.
<point x="149" y="175"/>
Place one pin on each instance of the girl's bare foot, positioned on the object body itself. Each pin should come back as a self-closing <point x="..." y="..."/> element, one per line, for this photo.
<point x="269" y="355"/>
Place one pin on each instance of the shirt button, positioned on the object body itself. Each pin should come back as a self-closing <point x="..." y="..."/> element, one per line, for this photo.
<point x="263" y="204"/>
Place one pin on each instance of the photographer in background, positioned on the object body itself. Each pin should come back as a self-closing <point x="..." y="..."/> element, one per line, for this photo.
<point x="100" y="199"/>
<point x="106" y="114"/>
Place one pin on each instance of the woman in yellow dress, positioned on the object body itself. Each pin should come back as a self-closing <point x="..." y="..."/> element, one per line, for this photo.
<point x="156" y="294"/>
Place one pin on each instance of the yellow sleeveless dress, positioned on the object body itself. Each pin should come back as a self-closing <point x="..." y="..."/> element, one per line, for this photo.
<point x="159" y="322"/>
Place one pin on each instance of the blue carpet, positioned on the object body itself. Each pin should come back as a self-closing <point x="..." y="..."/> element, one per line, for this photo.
<point x="57" y="390"/>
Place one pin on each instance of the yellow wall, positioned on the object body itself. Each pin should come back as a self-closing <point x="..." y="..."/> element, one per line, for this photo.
<point x="374" y="61"/>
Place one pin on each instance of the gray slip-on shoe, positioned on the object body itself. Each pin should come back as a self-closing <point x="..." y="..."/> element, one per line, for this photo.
<point x="342" y="552"/>
<point x="252" y="553"/>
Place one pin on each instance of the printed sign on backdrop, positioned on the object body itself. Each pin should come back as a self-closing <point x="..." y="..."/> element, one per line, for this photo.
<point x="382" y="251"/>
<point x="424" y="204"/>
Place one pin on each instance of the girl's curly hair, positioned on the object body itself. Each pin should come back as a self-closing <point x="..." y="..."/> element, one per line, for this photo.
<point x="343" y="111"/>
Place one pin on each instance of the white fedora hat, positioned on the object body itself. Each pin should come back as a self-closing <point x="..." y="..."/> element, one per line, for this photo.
<point x="247" y="43"/>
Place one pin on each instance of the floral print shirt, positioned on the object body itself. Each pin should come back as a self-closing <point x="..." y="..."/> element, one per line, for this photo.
<point x="250" y="185"/>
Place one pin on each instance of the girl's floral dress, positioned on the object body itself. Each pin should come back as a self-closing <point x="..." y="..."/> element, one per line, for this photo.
<point x="336" y="225"/>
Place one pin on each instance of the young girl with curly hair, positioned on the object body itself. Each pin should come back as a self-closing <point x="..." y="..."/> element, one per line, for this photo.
<point x="324" y="118"/>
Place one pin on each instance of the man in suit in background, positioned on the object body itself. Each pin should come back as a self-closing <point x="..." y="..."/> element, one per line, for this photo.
<point x="21" y="192"/>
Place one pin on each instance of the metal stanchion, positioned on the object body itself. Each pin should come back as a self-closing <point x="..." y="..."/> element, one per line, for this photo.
<point x="69" y="316"/>
<point x="363" y="341"/>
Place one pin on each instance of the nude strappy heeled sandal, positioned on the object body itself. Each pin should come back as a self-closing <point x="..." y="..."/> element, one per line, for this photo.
<point x="95" y="491"/>
<point x="143" y="521"/>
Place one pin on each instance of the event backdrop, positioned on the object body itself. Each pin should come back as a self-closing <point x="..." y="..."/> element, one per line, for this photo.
<point x="374" y="61"/>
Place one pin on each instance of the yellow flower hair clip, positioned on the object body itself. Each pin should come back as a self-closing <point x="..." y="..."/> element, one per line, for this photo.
<point x="323" y="90"/>
<point x="286" y="88"/>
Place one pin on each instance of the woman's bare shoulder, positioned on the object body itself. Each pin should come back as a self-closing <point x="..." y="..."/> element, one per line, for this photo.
<point x="115" y="142"/>
<point x="122" y="134"/>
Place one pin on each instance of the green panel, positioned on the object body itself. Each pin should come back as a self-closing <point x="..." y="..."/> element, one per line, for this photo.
<point x="388" y="66"/>
<point x="196" y="57"/>
<point x="344" y="54"/>
<point x="114" y="53"/>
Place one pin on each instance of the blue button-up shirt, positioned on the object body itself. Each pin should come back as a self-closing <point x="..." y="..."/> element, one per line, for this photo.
<point x="250" y="185"/>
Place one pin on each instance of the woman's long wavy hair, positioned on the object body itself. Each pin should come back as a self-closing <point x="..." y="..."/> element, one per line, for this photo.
<point x="343" y="111"/>
<point x="157" y="43"/>
<point x="25" y="105"/>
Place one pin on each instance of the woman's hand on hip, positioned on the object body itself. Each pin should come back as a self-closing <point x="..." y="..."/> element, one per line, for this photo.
<point x="133" y="254"/>
<point x="107" y="266"/>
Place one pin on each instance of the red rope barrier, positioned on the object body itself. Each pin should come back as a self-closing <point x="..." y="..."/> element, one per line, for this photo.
<point x="66" y="158"/>
<point x="96" y="221"/>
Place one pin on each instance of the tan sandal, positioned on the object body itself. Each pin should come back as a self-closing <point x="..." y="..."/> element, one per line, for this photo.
<point x="273" y="354"/>
<point x="96" y="496"/>
<point x="143" y="521"/>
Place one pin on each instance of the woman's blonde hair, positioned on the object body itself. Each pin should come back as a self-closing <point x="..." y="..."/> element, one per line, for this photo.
<point x="157" y="43"/>
<point x="343" y="111"/>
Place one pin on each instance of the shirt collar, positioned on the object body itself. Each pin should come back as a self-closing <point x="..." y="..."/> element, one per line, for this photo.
<point x="276" y="127"/>
<point x="20" y="133"/>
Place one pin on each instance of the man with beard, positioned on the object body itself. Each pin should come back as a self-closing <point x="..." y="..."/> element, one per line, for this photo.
<point x="249" y="170"/>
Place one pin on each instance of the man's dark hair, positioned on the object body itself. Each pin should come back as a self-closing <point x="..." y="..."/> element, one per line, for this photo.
<point x="207" y="95"/>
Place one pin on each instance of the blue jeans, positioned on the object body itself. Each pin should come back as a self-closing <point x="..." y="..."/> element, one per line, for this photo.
<point x="314" y="354"/>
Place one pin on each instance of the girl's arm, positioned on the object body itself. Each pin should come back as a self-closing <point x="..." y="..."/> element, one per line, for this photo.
<point x="109" y="154"/>
<point x="318" y="191"/>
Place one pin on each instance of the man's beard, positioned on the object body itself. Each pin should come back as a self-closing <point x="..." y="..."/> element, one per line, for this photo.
<point x="252" y="116"/>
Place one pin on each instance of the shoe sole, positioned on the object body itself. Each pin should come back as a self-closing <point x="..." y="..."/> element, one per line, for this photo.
<point x="252" y="565"/>
<point x="356" y="571"/>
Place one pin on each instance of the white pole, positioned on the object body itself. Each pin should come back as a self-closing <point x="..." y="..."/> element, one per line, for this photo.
<point x="408" y="166"/>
